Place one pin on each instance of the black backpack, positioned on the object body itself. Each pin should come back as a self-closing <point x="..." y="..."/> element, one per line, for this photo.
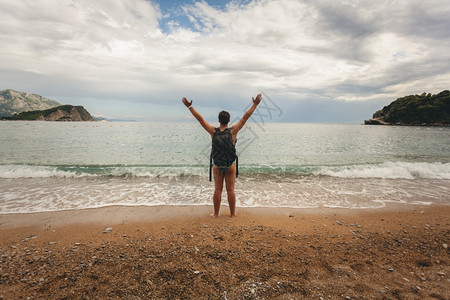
<point x="223" y="151"/>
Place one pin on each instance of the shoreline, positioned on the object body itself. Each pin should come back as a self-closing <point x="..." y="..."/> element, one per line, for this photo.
<point x="120" y="214"/>
<point x="397" y="252"/>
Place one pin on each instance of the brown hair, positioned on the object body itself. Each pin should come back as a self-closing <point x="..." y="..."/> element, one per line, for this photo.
<point x="224" y="117"/>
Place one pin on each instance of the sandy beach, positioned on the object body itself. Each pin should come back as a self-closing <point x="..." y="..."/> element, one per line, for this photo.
<point x="400" y="252"/>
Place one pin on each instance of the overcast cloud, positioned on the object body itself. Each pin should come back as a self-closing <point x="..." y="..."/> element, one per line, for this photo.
<point x="137" y="59"/>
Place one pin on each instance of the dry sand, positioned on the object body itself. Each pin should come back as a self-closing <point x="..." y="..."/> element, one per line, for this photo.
<point x="180" y="252"/>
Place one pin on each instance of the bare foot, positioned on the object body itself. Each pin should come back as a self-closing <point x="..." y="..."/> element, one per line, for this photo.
<point x="213" y="215"/>
<point x="233" y="216"/>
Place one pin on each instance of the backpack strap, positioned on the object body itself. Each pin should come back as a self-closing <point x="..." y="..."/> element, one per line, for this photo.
<point x="237" y="167"/>
<point x="237" y="161"/>
<point x="211" y="159"/>
<point x="210" y="167"/>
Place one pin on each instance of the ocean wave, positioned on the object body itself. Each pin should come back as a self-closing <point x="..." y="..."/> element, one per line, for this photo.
<point x="31" y="171"/>
<point x="387" y="170"/>
<point x="37" y="171"/>
<point x="390" y="170"/>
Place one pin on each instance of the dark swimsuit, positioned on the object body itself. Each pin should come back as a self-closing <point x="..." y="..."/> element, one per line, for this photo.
<point x="224" y="169"/>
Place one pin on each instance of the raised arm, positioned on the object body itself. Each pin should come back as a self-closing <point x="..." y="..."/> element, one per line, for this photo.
<point x="238" y="126"/>
<point x="208" y="127"/>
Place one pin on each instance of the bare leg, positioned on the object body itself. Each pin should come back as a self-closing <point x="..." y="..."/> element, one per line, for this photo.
<point x="218" y="187"/>
<point x="230" y="179"/>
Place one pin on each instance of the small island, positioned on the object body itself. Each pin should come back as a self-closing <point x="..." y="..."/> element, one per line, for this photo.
<point x="58" y="113"/>
<point x="415" y="110"/>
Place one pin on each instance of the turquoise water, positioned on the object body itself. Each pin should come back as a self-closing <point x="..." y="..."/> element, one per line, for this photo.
<point x="46" y="166"/>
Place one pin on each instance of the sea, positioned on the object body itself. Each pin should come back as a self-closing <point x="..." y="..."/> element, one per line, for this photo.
<point x="53" y="166"/>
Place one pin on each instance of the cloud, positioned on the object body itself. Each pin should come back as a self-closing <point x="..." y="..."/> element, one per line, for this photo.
<point x="133" y="52"/>
<point x="350" y="49"/>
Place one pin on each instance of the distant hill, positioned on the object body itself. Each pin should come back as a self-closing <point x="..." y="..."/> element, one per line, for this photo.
<point x="59" y="113"/>
<point x="420" y="110"/>
<point x="12" y="102"/>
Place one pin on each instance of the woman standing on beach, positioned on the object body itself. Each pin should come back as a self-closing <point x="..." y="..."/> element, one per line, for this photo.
<point x="221" y="150"/>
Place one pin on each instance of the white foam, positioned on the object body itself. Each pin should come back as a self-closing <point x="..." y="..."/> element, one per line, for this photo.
<point x="390" y="170"/>
<point x="34" y="171"/>
<point x="29" y="171"/>
<point x="65" y="190"/>
<point x="156" y="171"/>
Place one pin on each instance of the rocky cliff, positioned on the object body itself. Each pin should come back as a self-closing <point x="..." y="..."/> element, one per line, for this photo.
<point x="417" y="110"/>
<point x="59" y="113"/>
<point x="12" y="102"/>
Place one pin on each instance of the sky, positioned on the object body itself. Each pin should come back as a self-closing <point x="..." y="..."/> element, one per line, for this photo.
<point x="314" y="61"/>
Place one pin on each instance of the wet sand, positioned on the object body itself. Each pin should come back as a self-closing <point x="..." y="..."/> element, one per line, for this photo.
<point x="180" y="252"/>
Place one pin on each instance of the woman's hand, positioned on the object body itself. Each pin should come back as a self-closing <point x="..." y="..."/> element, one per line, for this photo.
<point x="257" y="100"/>
<point x="186" y="102"/>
